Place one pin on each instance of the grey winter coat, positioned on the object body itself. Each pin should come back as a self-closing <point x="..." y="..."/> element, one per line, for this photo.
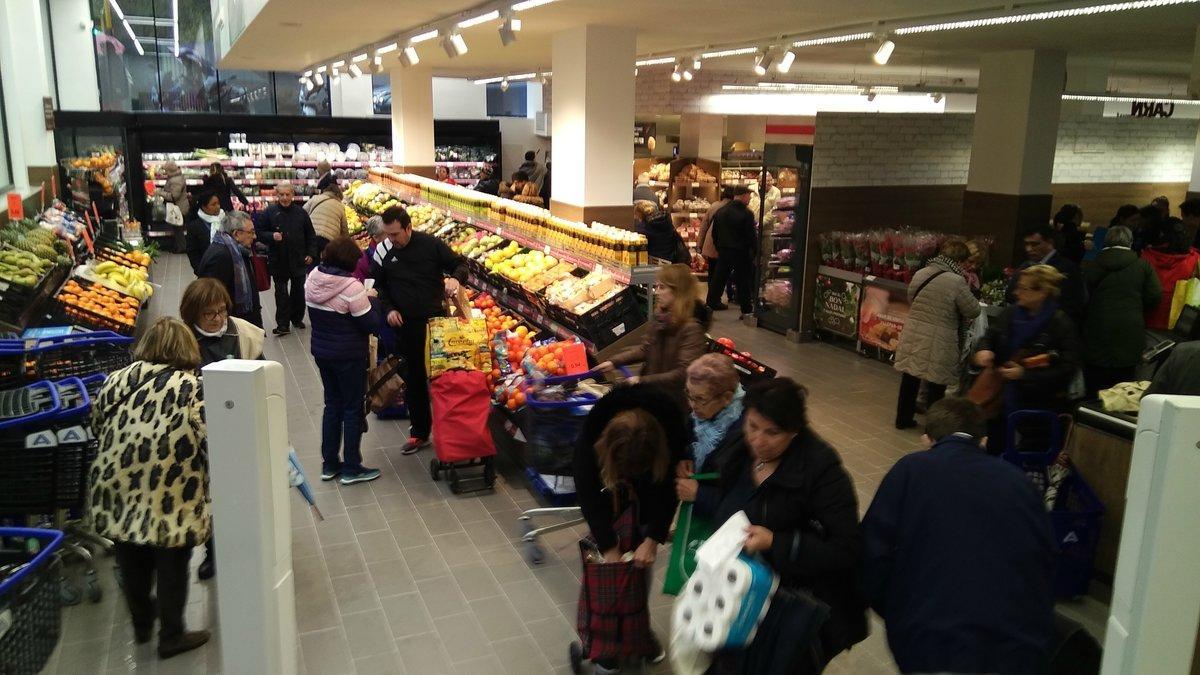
<point x="929" y="346"/>
<point x="175" y="191"/>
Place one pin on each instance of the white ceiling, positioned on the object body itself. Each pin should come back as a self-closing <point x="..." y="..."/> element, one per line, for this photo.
<point x="292" y="35"/>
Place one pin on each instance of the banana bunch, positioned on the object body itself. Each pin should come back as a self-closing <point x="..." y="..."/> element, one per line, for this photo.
<point x="128" y="280"/>
<point x="21" y="267"/>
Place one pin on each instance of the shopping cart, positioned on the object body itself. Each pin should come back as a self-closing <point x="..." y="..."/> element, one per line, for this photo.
<point x="555" y="413"/>
<point x="30" y="609"/>
<point x="46" y="448"/>
<point x="81" y="354"/>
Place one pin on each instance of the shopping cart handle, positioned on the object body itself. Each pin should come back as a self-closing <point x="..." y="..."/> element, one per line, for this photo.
<point x="55" y="537"/>
<point x="559" y="379"/>
<point x="531" y="397"/>
<point x="86" y="401"/>
<point x="81" y="339"/>
<point x="55" y="407"/>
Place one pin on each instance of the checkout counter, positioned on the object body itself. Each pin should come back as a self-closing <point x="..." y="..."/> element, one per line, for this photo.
<point x="1101" y="448"/>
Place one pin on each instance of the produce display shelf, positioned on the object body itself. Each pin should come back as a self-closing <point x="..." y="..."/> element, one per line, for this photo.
<point x="266" y="182"/>
<point x="525" y="311"/>
<point x="266" y="163"/>
<point x="454" y="164"/>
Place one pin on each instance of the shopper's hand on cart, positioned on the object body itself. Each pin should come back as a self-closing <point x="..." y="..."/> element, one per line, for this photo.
<point x="632" y="380"/>
<point x="985" y="358"/>
<point x="451" y="286"/>
<point x="604" y="367"/>
<point x="1012" y="371"/>
<point x="686" y="488"/>
<point x="646" y="554"/>
<point x="394" y="320"/>
<point x="685" y="469"/>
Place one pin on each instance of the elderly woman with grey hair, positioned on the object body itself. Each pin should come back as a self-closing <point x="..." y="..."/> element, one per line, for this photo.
<point x="228" y="261"/>
<point x="714" y="394"/>
<point x="374" y="230"/>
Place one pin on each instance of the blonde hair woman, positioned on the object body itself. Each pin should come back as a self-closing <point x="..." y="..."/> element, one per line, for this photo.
<point x="149" y="482"/>
<point x="675" y="338"/>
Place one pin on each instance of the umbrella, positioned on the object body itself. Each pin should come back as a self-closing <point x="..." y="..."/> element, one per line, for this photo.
<point x="298" y="480"/>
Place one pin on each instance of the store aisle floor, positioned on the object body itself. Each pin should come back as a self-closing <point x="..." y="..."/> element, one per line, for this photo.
<point x="404" y="577"/>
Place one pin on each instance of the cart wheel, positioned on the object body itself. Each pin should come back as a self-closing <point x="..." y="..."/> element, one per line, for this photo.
<point x="94" y="592"/>
<point x="576" y="650"/>
<point x="68" y="593"/>
<point x="434" y="468"/>
<point x="489" y="472"/>
<point x="452" y="475"/>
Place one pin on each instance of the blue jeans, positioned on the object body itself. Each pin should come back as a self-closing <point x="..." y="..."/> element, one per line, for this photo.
<point x="345" y="383"/>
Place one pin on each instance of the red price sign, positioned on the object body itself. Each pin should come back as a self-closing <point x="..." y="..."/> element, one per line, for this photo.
<point x="16" y="207"/>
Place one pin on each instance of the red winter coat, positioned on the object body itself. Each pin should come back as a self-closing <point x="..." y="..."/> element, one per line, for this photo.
<point x="1170" y="268"/>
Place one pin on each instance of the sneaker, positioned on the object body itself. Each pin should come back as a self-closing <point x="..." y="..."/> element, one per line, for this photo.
<point x="280" y="332"/>
<point x="328" y="474"/>
<point x="361" y="475"/>
<point x="414" y="445"/>
<point x="299" y="324"/>
<point x="181" y="643"/>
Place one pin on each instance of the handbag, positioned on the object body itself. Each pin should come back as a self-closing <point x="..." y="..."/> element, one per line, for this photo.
<point x="262" y="276"/>
<point x="987" y="391"/>
<point x="690" y="532"/>
<point x="384" y="384"/>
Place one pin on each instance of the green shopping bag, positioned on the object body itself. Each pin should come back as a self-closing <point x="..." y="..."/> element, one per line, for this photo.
<point x="690" y="532"/>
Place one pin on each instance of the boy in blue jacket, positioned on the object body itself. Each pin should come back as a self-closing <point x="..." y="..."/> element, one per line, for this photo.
<point x="959" y="556"/>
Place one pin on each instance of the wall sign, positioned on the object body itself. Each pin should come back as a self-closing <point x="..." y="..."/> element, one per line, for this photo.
<point x="882" y="314"/>
<point x="1151" y="109"/>
<point x="835" y="307"/>
<point x="16" y="208"/>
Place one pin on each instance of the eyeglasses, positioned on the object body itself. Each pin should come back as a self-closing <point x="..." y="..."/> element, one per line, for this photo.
<point x="214" y="314"/>
<point x="698" y="400"/>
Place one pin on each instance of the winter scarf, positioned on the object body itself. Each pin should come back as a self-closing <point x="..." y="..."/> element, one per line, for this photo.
<point x="710" y="432"/>
<point x="944" y="263"/>
<point x="1025" y="327"/>
<point x="243" y="300"/>
<point x="214" y="222"/>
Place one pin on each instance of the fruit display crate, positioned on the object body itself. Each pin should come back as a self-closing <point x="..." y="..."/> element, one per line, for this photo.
<point x="20" y="304"/>
<point x="90" y="317"/>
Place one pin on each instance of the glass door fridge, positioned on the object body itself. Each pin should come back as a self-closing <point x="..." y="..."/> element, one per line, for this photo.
<point x="784" y="228"/>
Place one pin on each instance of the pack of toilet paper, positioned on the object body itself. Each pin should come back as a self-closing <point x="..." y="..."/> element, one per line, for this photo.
<point x="726" y="597"/>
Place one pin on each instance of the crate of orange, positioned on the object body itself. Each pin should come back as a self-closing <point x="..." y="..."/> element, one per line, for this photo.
<point x="89" y="305"/>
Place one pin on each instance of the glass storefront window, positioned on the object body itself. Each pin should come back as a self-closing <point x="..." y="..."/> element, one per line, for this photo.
<point x="291" y="98"/>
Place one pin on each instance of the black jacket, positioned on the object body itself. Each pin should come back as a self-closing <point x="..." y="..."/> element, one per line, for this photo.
<point x="959" y="561"/>
<point x="287" y="256"/>
<point x="1040" y="388"/>
<point x="732" y="448"/>
<point x="655" y="500"/>
<point x="196" y="235"/>
<point x="809" y="504"/>
<point x="410" y="279"/>
<point x="226" y="189"/>
<point x="1073" y="293"/>
<point x="734" y="228"/>
<point x="489" y="186"/>
<point x="216" y="263"/>
<point x="662" y="240"/>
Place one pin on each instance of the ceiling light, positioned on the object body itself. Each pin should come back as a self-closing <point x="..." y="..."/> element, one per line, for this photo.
<point x="129" y="29"/>
<point x="175" y="24"/>
<point x="655" y="61"/>
<point x="504" y="84"/>
<point x="870" y="96"/>
<point x="1129" y="98"/>
<point x="358" y="58"/>
<point x="337" y="64"/>
<point x="454" y="45"/>
<point x="729" y="52"/>
<point x="545" y="79"/>
<point x="785" y="61"/>
<point x="635" y="71"/>
<point x="377" y="64"/>
<point x="117" y="9"/>
<point x="509" y="29"/>
<point x="308" y="84"/>
<point x="937" y="97"/>
<point x="696" y="62"/>
<point x="387" y="48"/>
<point x="763" y="63"/>
<point x="1038" y="16"/>
<point x="482" y="18"/>
<point x="687" y="75"/>
<point x="529" y="4"/>
<point x="489" y="80"/>
<point x="884" y="52"/>
<point x="422" y="37"/>
<point x="676" y="75"/>
<point x="355" y="71"/>
<point x="833" y="39"/>
<point x="409" y="56"/>
<point x="319" y="79"/>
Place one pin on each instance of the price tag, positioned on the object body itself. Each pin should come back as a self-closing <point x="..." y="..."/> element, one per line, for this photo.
<point x="869" y="277"/>
<point x="546" y="249"/>
<point x="16" y="208"/>
<point x="499" y="231"/>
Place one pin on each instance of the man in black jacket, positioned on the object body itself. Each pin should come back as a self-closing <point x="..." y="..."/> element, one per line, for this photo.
<point x="287" y="231"/>
<point x="410" y="271"/>
<point x="218" y="263"/>
<point x="488" y="183"/>
<point x="1039" y="250"/>
<point x="735" y="235"/>
<point x="959" y="556"/>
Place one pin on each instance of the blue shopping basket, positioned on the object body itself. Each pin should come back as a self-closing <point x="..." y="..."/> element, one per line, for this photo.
<point x="30" y="607"/>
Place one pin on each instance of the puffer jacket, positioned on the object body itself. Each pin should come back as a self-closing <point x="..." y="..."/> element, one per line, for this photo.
<point x="662" y="240"/>
<point x="328" y="216"/>
<point x="929" y="345"/>
<point x="175" y="191"/>
<point x="667" y="351"/>
<point x="1121" y="287"/>
<point x="149" y="482"/>
<point x="1170" y="268"/>
<point x="341" y="313"/>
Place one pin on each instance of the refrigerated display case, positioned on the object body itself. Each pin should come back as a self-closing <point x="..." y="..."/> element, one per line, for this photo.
<point x="787" y="168"/>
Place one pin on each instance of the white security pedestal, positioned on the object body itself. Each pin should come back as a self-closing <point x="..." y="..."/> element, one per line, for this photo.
<point x="1156" y="600"/>
<point x="248" y="474"/>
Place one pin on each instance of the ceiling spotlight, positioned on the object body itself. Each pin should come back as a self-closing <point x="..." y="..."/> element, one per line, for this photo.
<point x="308" y="84"/>
<point x="409" y="56"/>
<point x="509" y="29"/>
<point x="786" y="61"/>
<point x="319" y="79"/>
<point x="377" y="64"/>
<point x="504" y="84"/>
<point x="677" y="74"/>
<point x="696" y="62"/>
<point x="545" y="79"/>
<point x="355" y="71"/>
<point x="884" y="52"/>
<point x="454" y="45"/>
<point x="334" y="74"/>
<point x="687" y="75"/>
<point x="870" y="96"/>
<point x="635" y="71"/>
<point x="762" y="63"/>
<point x="937" y="97"/>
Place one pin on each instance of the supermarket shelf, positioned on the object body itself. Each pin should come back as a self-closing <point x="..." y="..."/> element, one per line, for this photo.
<point x="696" y="185"/>
<point x="266" y="182"/>
<point x="454" y="164"/>
<point x="266" y="163"/>
<point x="524" y="311"/>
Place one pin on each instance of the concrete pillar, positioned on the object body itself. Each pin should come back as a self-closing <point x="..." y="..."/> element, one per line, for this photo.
<point x="1012" y="149"/>
<point x="412" y="119"/>
<point x="593" y="124"/>
<point x="23" y="53"/>
<point x="701" y="135"/>
<point x="75" y="55"/>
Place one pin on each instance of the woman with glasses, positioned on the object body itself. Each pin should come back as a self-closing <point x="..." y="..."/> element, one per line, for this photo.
<point x="205" y="308"/>
<point x="675" y="338"/>
<point x="715" y="396"/>
<point x="228" y="261"/>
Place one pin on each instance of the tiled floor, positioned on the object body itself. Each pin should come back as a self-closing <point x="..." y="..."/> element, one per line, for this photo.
<point x="404" y="577"/>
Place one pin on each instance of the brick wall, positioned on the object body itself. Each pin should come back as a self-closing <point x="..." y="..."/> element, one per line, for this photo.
<point x="866" y="149"/>
<point x="1124" y="150"/>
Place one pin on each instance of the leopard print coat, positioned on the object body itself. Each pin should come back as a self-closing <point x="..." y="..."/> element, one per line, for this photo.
<point x="149" y="483"/>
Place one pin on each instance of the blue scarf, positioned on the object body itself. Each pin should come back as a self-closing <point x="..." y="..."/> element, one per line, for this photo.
<point x="710" y="432"/>
<point x="1024" y="328"/>
<point x="243" y="300"/>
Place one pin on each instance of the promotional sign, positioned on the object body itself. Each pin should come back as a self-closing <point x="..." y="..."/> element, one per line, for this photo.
<point x="16" y="208"/>
<point x="882" y="314"/>
<point x="835" y="307"/>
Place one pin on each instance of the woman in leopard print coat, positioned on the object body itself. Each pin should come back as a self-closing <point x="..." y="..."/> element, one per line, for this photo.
<point x="149" y="483"/>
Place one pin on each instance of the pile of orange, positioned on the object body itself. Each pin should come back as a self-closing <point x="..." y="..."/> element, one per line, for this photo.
<point x="548" y="358"/>
<point x="96" y="299"/>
